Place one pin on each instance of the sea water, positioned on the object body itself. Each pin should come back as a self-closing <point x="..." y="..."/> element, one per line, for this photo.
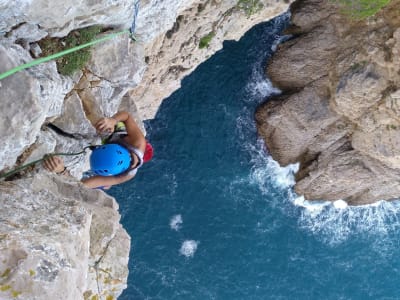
<point x="212" y="216"/>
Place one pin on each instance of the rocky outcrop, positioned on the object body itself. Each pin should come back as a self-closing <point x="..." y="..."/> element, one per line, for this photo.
<point x="175" y="53"/>
<point x="59" y="240"/>
<point x="58" y="18"/>
<point x="337" y="114"/>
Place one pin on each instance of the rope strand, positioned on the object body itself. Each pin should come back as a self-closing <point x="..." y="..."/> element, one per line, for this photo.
<point x="35" y="62"/>
<point x="20" y="168"/>
<point x="59" y="54"/>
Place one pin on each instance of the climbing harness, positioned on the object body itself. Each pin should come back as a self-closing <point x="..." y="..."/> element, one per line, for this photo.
<point x="20" y="168"/>
<point x="38" y="61"/>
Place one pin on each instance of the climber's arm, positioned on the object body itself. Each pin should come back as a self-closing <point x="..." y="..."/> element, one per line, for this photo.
<point x="102" y="181"/>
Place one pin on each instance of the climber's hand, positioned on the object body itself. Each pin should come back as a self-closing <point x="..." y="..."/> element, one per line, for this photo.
<point x="106" y="125"/>
<point x="54" y="164"/>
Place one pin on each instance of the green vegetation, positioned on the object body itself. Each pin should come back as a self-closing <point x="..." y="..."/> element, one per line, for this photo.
<point x="15" y="294"/>
<point x="70" y="63"/>
<point x="362" y="9"/>
<point x="205" y="40"/>
<point x="5" y="287"/>
<point x="250" y="7"/>
<point x="6" y="273"/>
<point x="391" y="126"/>
<point x="358" y="66"/>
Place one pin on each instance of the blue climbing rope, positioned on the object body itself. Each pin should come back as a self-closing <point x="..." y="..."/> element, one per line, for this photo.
<point x="133" y="26"/>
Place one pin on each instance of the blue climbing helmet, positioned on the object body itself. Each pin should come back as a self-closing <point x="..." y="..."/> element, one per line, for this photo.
<point x="110" y="160"/>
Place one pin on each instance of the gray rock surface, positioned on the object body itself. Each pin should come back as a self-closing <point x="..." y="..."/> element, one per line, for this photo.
<point x="60" y="241"/>
<point x="60" y="17"/>
<point x="338" y="114"/>
<point x="27" y="98"/>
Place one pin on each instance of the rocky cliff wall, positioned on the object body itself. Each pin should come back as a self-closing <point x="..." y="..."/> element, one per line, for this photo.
<point x="338" y="114"/>
<point x="59" y="240"/>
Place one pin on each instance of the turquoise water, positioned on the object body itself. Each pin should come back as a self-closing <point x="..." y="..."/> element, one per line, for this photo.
<point x="212" y="216"/>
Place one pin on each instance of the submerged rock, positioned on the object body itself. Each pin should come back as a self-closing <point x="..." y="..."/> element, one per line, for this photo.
<point x="338" y="114"/>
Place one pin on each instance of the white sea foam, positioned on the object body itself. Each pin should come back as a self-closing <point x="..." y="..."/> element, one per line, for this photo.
<point x="188" y="248"/>
<point x="313" y="208"/>
<point x="335" y="225"/>
<point x="260" y="87"/>
<point x="336" y="222"/>
<point x="340" y="204"/>
<point x="279" y="40"/>
<point x="176" y="222"/>
<point x="266" y="170"/>
<point x="333" y="222"/>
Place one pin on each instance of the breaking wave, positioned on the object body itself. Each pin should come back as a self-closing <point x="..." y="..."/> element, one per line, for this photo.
<point x="331" y="222"/>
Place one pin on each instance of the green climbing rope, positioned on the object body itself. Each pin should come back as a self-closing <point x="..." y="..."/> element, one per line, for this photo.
<point x="20" y="168"/>
<point x="62" y="53"/>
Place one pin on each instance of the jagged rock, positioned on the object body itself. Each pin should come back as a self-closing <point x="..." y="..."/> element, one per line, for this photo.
<point x="27" y="98"/>
<point x="359" y="89"/>
<point x="119" y="61"/>
<point x="158" y="16"/>
<point x="59" y="17"/>
<point x="305" y="18"/>
<point x="58" y="240"/>
<point x="346" y="141"/>
<point x="304" y="59"/>
<point x="26" y="33"/>
<point x="351" y="176"/>
<point x="291" y="123"/>
<point x="73" y="118"/>
<point x="379" y="136"/>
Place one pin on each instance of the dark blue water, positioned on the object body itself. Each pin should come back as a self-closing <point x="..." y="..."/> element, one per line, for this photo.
<point x="212" y="216"/>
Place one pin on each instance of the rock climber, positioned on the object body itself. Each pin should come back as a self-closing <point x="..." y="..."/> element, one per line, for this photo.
<point x="116" y="161"/>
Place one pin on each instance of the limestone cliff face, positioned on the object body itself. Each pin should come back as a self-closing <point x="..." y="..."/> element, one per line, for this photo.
<point x="175" y="53"/>
<point x="59" y="240"/>
<point x="338" y="114"/>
